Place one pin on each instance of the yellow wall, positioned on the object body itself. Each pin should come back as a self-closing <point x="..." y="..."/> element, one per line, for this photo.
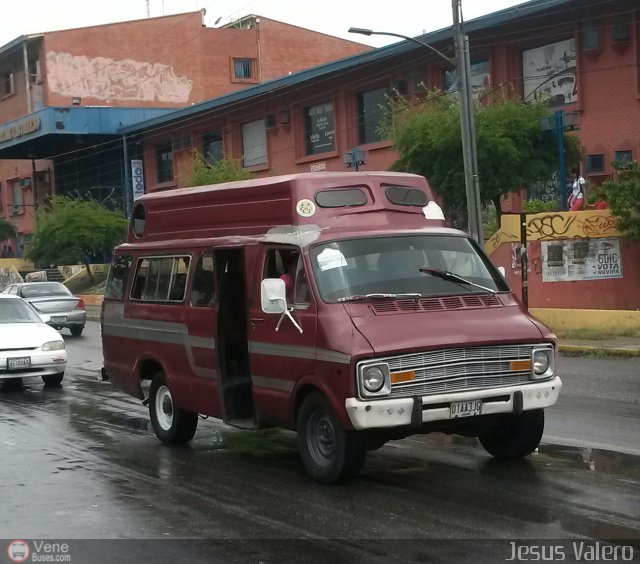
<point x="604" y="319"/>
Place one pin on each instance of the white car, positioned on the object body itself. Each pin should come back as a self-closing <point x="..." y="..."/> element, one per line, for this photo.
<point x="29" y="347"/>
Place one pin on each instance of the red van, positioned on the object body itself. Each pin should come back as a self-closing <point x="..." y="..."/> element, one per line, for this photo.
<point x="335" y="304"/>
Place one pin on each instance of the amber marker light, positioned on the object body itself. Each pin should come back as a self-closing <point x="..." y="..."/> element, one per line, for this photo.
<point x="521" y="365"/>
<point x="399" y="377"/>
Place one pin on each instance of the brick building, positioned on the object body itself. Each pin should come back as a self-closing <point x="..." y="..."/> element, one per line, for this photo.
<point x="584" y="54"/>
<point x="55" y="134"/>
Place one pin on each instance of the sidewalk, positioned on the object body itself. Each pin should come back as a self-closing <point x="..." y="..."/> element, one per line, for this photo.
<point x="620" y="346"/>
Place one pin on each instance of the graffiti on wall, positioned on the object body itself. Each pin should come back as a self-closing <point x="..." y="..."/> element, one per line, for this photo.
<point x="122" y="80"/>
<point x="568" y="225"/>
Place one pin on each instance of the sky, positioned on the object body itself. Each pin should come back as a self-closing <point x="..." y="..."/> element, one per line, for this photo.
<point x="334" y="17"/>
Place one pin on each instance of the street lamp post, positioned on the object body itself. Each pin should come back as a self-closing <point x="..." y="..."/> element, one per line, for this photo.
<point x="467" y="125"/>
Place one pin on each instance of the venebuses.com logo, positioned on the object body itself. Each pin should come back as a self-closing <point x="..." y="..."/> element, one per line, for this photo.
<point x="38" y="551"/>
<point x="18" y="551"/>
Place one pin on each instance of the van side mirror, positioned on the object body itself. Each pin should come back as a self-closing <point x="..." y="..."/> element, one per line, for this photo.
<point x="273" y="295"/>
<point x="502" y="271"/>
<point x="273" y="298"/>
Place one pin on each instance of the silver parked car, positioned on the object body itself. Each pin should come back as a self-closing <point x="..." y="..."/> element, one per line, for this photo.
<point x="56" y="305"/>
<point x="28" y="347"/>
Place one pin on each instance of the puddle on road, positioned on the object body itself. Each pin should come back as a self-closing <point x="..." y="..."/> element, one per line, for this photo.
<point x="580" y="458"/>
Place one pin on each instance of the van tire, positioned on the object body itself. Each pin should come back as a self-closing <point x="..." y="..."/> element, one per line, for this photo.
<point x="171" y="424"/>
<point x="329" y="453"/>
<point x="514" y="436"/>
<point x="53" y="379"/>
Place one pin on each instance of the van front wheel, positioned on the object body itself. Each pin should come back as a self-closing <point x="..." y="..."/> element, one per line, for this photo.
<point x="514" y="436"/>
<point x="171" y="424"/>
<point x="329" y="453"/>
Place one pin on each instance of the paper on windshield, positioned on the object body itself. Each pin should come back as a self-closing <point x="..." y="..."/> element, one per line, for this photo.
<point x="331" y="258"/>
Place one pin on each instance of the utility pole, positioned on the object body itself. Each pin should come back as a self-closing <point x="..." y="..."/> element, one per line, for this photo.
<point x="467" y="127"/>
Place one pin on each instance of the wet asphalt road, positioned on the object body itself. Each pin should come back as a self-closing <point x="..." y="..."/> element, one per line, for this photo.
<point x="81" y="462"/>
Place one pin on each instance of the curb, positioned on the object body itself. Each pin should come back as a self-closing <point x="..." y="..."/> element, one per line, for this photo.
<point x="602" y="351"/>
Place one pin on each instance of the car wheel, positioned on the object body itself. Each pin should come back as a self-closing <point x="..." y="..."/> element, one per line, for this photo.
<point x="329" y="453"/>
<point x="171" y="424"/>
<point x="53" y="379"/>
<point x="76" y="330"/>
<point x="514" y="436"/>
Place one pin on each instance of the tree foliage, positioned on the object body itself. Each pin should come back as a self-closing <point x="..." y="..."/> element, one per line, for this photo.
<point x="623" y="196"/>
<point x="7" y="230"/>
<point x="512" y="150"/>
<point x="69" y="231"/>
<point x="225" y="170"/>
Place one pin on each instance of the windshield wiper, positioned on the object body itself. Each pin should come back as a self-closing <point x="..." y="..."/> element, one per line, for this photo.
<point x="378" y="297"/>
<point x="451" y="277"/>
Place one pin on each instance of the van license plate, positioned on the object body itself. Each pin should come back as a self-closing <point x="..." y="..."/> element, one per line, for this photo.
<point x="465" y="408"/>
<point x="20" y="362"/>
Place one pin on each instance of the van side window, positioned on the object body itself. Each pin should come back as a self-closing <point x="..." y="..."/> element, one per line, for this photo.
<point x="287" y="264"/>
<point x="203" y="289"/>
<point x="117" y="279"/>
<point x="161" y="279"/>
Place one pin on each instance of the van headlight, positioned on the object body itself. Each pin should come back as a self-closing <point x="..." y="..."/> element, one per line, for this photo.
<point x="542" y="363"/>
<point x="374" y="379"/>
<point x="53" y="346"/>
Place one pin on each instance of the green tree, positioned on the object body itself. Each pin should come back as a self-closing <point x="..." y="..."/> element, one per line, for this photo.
<point x="225" y="170"/>
<point x="69" y="230"/>
<point x="7" y="230"/>
<point x="513" y="151"/>
<point x="623" y="196"/>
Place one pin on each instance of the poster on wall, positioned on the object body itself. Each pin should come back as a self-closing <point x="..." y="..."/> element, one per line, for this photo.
<point x="550" y="72"/>
<point x="570" y="260"/>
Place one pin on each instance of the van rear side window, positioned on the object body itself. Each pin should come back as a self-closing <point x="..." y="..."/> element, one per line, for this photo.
<point x="161" y="279"/>
<point x="117" y="280"/>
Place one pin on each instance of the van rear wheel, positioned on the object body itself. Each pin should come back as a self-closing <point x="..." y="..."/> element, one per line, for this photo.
<point x="514" y="436"/>
<point x="171" y="424"/>
<point x="329" y="453"/>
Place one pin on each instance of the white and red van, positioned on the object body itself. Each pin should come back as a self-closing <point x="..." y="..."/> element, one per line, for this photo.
<point x="335" y="304"/>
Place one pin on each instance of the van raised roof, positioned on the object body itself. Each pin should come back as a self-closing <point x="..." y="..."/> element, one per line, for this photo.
<point x="252" y="207"/>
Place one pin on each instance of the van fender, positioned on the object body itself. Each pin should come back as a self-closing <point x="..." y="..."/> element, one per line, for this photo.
<point x="145" y="368"/>
<point x="311" y="383"/>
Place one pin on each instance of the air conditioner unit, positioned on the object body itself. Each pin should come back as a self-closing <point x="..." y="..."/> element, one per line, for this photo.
<point x="270" y="121"/>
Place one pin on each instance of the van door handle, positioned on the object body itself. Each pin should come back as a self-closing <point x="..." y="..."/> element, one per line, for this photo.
<point x="256" y="321"/>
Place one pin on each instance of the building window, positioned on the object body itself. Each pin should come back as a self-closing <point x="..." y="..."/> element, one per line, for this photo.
<point x="164" y="163"/>
<point x="623" y="158"/>
<point x="18" y="202"/>
<point x="244" y="69"/>
<point x="591" y="35"/>
<point x="372" y="107"/>
<point x="213" y="147"/>
<point x="34" y="72"/>
<point x="254" y="143"/>
<point x="8" y="82"/>
<point x="620" y="31"/>
<point x="319" y="128"/>
<point x="595" y="163"/>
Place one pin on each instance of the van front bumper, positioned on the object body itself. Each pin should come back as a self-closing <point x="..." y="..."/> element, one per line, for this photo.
<point x="385" y="413"/>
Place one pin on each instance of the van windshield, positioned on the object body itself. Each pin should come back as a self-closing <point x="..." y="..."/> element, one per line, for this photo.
<point x="403" y="266"/>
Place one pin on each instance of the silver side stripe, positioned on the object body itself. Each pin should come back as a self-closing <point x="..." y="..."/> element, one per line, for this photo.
<point x="175" y="335"/>
<point x="294" y="351"/>
<point x="273" y="383"/>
